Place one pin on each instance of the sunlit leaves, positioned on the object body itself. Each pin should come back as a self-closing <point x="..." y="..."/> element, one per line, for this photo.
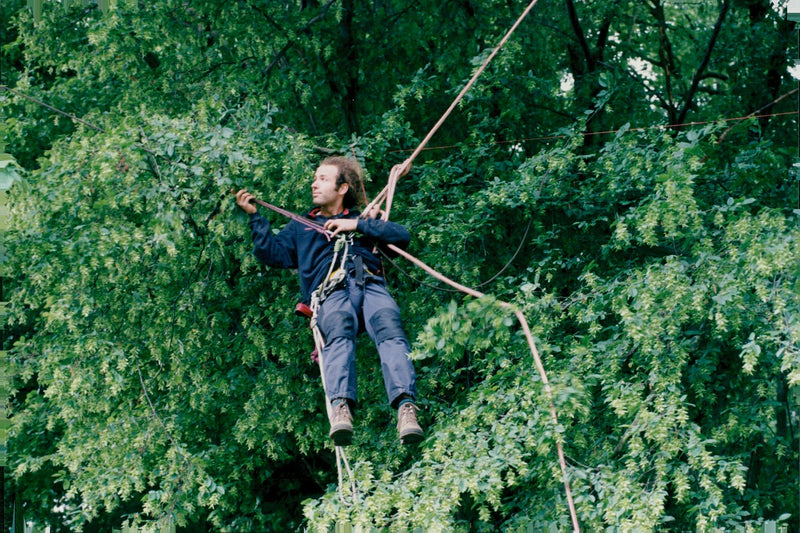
<point x="162" y="377"/>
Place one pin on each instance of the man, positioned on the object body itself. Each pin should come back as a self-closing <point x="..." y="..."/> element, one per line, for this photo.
<point x="359" y="300"/>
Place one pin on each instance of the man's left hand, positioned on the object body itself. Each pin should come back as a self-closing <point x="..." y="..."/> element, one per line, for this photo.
<point x="376" y="212"/>
<point x="341" y="224"/>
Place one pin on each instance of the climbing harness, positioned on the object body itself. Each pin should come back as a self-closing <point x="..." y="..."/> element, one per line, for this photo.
<point x="336" y="271"/>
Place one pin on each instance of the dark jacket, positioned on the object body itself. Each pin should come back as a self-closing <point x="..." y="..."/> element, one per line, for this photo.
<point x="310" y="252"/>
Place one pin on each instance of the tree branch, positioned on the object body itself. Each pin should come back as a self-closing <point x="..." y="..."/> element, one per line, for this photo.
<point x="666" y="59"/>
<point x="577" y="29"/>
<point x="698" y="76"/>
<point x="304" y="29"/>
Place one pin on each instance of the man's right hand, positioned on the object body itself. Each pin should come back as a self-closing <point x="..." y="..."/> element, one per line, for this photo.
<point x="245" y="201"/>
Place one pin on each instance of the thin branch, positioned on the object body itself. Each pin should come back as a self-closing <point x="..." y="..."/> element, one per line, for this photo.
<point x="51" y="108"/>
<point x="576" y="28"/>
<point x="325" y="151"/>
<point x="323" y="12"/>
<point x="666" y="59"/>
<point x="716" y="76"/>
<point x="269" y="19"/>
<point x="74" y="118"/>
<point x="698" y="76"/>
<point x="157" y="417"/>
<point x="152" y="161"/>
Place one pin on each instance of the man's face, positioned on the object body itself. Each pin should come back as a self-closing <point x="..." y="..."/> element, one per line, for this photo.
<point x="323" y="188"/>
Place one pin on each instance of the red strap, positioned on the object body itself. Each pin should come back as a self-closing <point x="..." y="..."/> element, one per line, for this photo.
<point x="302" y="309"/>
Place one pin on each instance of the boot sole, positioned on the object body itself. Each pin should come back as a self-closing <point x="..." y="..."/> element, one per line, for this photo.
<point x="342" y="436"/>
<point x="411" y="437"/>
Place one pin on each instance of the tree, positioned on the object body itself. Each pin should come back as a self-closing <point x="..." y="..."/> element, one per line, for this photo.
<point x="160" y="375"/>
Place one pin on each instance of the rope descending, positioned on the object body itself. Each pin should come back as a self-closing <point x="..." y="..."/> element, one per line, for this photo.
<point x="387" y="194"/>
<point x="332" y="280"/>
<point x="401" y="170"/>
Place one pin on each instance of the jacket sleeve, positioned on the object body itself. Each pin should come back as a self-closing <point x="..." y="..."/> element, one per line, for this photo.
<point x="384" y="231"/>
<point x="279" y="251"/>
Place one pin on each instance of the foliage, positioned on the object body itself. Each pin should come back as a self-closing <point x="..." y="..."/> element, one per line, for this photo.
<point x="159" y="375"/>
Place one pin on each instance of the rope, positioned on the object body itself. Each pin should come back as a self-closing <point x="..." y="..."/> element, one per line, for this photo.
<point x="302" y="220"/>
<point x="536" y="358"/>
<point x="481" y="284"/>
<point x="400" y="170"/>
<point x="640" y="128"/>
<point x="319" y="343"/>
<point x="752" y="115"/>
<point x="755" y="113"/>
<point x="387" y="194"/>
<point x="341" y="459"/>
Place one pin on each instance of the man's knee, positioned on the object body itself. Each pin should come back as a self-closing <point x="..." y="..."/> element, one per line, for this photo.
<point x="338" y="324"/>
<point x="386" y="324"/>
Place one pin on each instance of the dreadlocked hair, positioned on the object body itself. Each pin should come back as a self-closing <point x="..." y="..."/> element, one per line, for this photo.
<point x="350" y="172"/>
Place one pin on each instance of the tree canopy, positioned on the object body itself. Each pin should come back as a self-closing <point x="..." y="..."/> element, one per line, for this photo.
<point x="622" y="173"/>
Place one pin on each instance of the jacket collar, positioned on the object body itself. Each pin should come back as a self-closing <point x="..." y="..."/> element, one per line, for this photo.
<point x="316" y="212"/>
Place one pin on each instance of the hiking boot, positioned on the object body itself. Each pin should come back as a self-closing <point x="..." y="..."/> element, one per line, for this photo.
<point x="407" y="425"/>
<point x="341" y="423"/>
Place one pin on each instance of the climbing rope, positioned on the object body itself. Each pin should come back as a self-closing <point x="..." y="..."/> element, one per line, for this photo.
<point x="387" y="195"/>
<point x="332" y="280"/>
<point x="341" y="459"/>
<point x="302" y="220"/>
<point x="479" y="285"/>
<point x="536" y="358"/>
<point x="401" y="170"/>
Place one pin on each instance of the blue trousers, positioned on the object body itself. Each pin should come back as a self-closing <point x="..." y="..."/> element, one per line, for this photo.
<point x="340" y="318"/>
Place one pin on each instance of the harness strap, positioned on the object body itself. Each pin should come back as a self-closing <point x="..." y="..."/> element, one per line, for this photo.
<point x="335" y="276"/>
<point x="358" y="263"/>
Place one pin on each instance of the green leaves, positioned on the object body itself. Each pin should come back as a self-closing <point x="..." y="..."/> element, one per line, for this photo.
<point x="160" y="377"/>
<point x="9" y="171"/>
